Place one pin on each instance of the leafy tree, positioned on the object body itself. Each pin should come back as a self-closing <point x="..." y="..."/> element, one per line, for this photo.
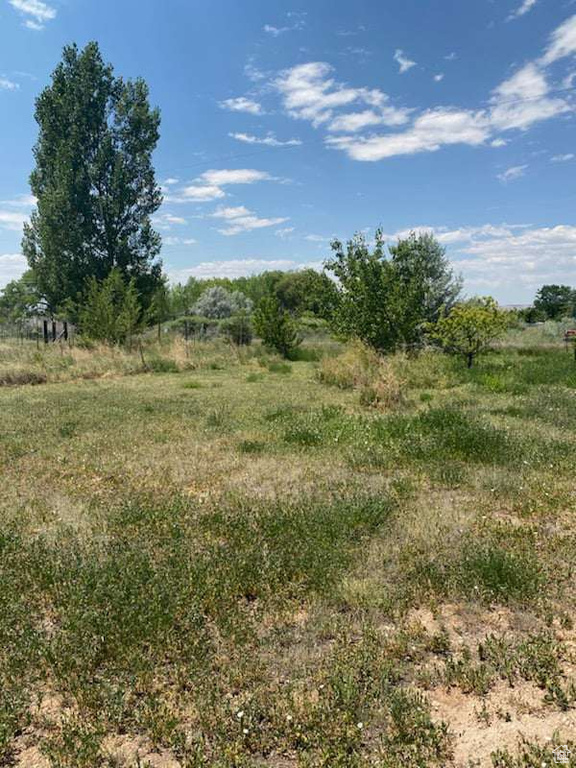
<point x="276" y="327"/>
<point x="470" y="328"/>
<point x="533" y="315"/>
<point x="111" y="311"/>
<point x="238" y="329"/>
<point x="20" y="299"/>
<point x="421" y="260"/>
<point x="307" y="291"/>
<point x="159" y="309"/>
<point x="556" y="301"/>
<point x="386" y="302"/>
<point x="94" y="181"/>
<point x="217" y="303"/>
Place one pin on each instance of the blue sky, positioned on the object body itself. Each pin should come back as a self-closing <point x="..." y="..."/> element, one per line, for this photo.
<point x="286" y="124"/>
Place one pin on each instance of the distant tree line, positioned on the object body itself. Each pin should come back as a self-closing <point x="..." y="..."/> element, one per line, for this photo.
<point x="93" y="254"/>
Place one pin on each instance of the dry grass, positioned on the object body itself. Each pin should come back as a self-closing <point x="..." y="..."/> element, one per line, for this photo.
<point x="236" y="536"/>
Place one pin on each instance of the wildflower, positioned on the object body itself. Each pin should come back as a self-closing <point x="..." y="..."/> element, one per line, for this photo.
<point x="244" y="731"/>
<point x="360" y="726"/>
<point x="240" y="714"/>
<point x="289" y="717"/>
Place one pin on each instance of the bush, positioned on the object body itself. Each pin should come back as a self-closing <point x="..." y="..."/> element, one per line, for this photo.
<point x="276" y="327"/>
<point x="238" y="329"/>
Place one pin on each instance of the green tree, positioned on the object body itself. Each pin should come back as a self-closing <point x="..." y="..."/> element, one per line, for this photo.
<point x="20" y="299"/>
<point x="94" y="181"/>
<point x="159" y="309"/>
<point x="111" y="311"/>
<point x="470" y="328"/>
<point x="238" y="328"/>
<point x="421" y="260"/>
<point x="386" y="302"/>
<point x="307" y="291"/>
<point x="556" y="301"/>
<point x="276" y="327"/>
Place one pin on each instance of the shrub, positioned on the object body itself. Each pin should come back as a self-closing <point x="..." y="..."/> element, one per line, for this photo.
<point x="470" y="328"/>
<point x="238" y="329"/>
<point x="276" y="327"/>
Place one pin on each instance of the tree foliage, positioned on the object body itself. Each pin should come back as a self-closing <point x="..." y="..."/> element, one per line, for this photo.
<point x="111" y="311"/>
<point x="238" y="329"/>
<point x="276" y="327"/>
<point x="556" y="301"/>
<point x="387" y="302"/>
<point x="20" y="299"/>
<point x="307" y="291"/>
<point x="470" y="328"/>
<point x="218" y="303"/>
<point x="94" y="181"/>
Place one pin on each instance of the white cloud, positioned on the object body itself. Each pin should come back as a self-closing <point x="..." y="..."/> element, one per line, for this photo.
<point x="253" y="73"/>
<point x="284" y="232"/>
<point x="12" y="220"/>
<point x="12" y="266"/>
<point x="232" y="268"/>
<point x="563" y="158"/>
<point x="167" y="220"/>
<point x="522" y="100"/>
<point x="170" y="182"/>
<point x="299" y="22"/>
<point x="269" y="140"/>
<point x="510" y="174"/>
<point x="451" y="56"/>
<point x="237" y="176"/>
<point x="522" y="9"/>
<point x="20" y="201"/>
<point x="526" y="258"/>
<point x="517" y="103"/>
<point x="310" y="93"/>
<point x="242" y="104"/>
<point x="172" y="241"/>
<point x="439" y="77"/>
<point x="494" y="257"/>
<point x="198" y="193"/>
<point x="8" y="85"/>
<point x="403" y="61"/>
<point x="35" y="12"/>
<point x="317" y="238"/>
<point x="240" y="219"/>
<point x="209" y="185"/>
<point x="562" y="42"/>
<point x="430" y="131"/>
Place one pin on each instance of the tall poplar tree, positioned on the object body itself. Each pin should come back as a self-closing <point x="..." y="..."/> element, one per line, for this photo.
<point x="94" y="182"/>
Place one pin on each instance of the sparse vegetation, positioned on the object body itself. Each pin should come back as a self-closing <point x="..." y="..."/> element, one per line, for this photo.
<point x="232" y="577"/>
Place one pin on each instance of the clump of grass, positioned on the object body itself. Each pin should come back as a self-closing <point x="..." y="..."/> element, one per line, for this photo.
<point x="356" y="367"/>
<point x="532" y="753"/>
<point x="18" y="378"/>
<point x="158" y="364"/>
<point x="252" y="446"/>
<point x="277" y="366"/>
<point x="496" y="565"/>
<point x="253" y="377"/>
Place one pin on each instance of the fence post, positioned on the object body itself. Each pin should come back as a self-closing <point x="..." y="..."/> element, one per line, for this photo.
<point x="65" y="330"/>
<point x="53" y="330"/>
<point x="45" y="324"/>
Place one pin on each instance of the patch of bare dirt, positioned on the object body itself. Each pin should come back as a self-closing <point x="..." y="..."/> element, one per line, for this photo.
<point x="480" y="727"/>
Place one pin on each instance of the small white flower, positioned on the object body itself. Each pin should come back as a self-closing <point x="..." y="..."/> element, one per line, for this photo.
<point x="240" y="714"/>
<point x="360" y="725"/>
<point x="289" y="717"/>
<point x="244" y="730"/>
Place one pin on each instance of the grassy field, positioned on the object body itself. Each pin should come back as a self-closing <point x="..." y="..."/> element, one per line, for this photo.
<point x="218" y="559"/>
